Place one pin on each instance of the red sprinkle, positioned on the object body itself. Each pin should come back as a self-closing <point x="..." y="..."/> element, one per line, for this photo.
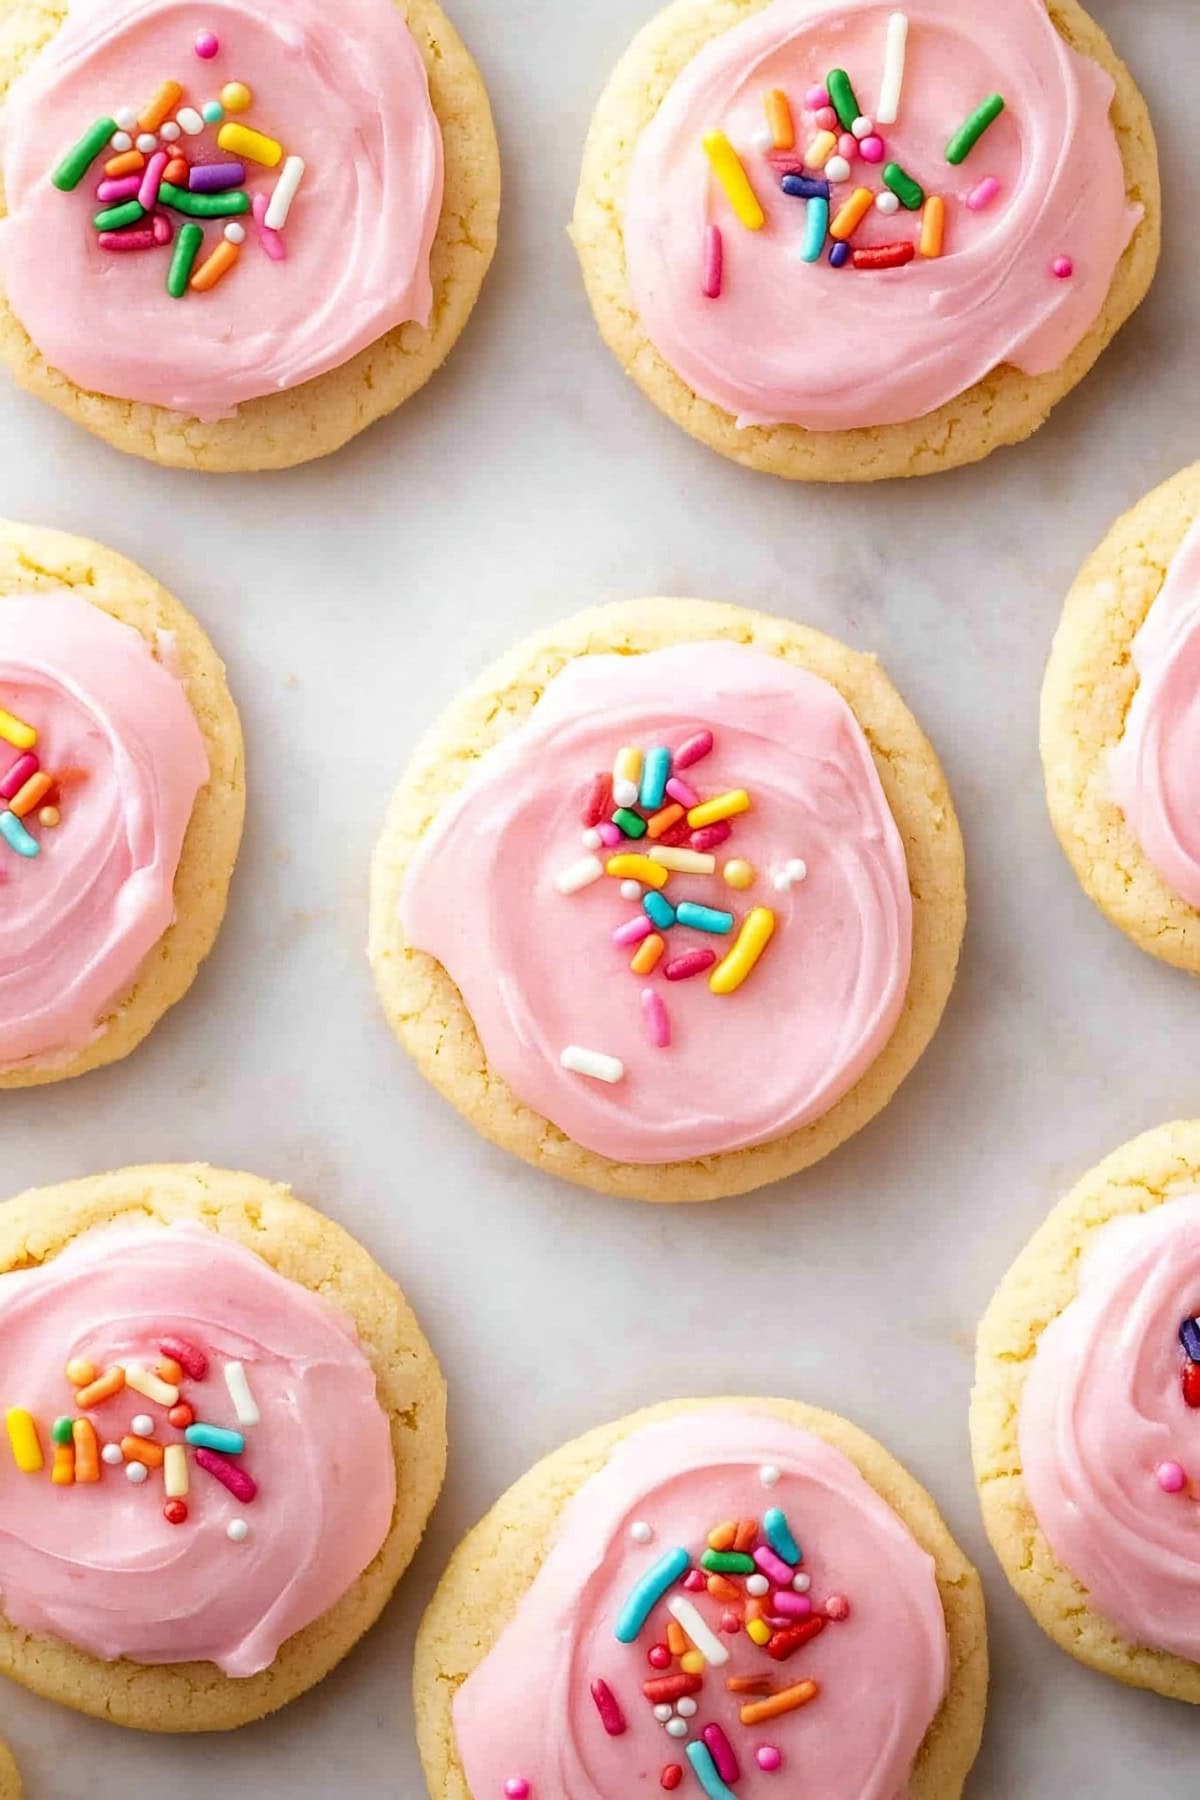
<point x="692" y="750"/>
<point x="695" y="1581"/>
<point x="786" y="1643"/>
<point x="692" y="962"/>
<point x="837" y="1607"/>
<point x="181" y="1416"/>
<point x="671" y="1777"/>
<point x="884" y="256"/>
<point x="243" y="1487"/>
<point x="658" y="1656"/>
<point x="175" y="1512"/>
<point x="188" y="1356"/>
<point x="1191" y="1383"/>
<point x="611" y="1716"/>
<point x="709" y="836"/>
<point x="599" y="802"/>
<point x="670" y="1688"/>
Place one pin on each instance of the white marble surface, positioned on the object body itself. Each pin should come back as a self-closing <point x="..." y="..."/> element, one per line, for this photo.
<point x="351" y="599"/>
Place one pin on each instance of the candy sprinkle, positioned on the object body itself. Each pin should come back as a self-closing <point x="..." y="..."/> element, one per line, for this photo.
<point x="187" y="248"/>
<point x="592" y="1062"/>
<point x="910" y="193"/>
<point x="206" y="45"/>
<point x="973" y="128"/>
<point x="654" y="1012"/>
<point x="714" y="262"/>
<point x="892" y="82"/>
<point x="728" y="169"/>
<point x="842" y="98"/>
<point x="607" y="1705"/>
<point x="79" y="159"/>
<point x="647" y="1592"/>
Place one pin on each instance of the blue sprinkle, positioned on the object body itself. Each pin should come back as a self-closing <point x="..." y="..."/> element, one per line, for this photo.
<point x="16" y="836"/>
<point x="839" y="255"/>
<point x="816" y="224"/>
<point x="779" y="1535"/>
<point x="215" y="1437"/>
<point x="705" y="1769"/>
<point x="212" y="111"/>
<point x="647" y="1593"/>
<point x="659" y="910"/>
<point x="655" y="770"/>
<point x="703" y="918"/>
<point x="805" y="187"/>
<point x="1189" y="1331"/>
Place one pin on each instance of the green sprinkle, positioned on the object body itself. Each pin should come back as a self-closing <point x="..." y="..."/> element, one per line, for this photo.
<point x="973" y="128"/>
<point x="910" y="193"/>
<point x="203" y="206"/>
<point x="114" y="217"/>
<point x="629" y="822"/>
<point x="727" y="1562"/>
<point x="60" y="1431"/>
<point x="76" y="163"/>
<point x="187" y="249"/>
<point x="842" y="98"/>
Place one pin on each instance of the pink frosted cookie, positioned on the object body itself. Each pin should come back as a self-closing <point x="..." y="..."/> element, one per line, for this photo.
<point x="1086" y="1417"/>
<point x="220" y="220"/>
<point x="676" y="909"/>
<point x="121" y="802"/>
<point x="741" y="1598"/>
<point x="205" y="1473"/>
<point x="844" y="241"/>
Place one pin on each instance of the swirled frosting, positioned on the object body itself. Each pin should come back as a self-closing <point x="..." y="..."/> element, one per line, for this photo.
<point x="1102" y="1409"/>
<point x="1155" y="767"/>
<point x="345" y="91"/>
<point x="834" y="349"/>
<point x="539" y="971"/>
<point x="98" y="1564"/>
<point x="881" y="1672"/>
<point x="81" y="917"/>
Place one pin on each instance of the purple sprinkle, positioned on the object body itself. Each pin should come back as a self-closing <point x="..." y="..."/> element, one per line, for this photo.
<point x="839" y="255"/>
<point x="1189" y="1337"/>
<point x="214" y="178"/>
<point x="805" y="187"/>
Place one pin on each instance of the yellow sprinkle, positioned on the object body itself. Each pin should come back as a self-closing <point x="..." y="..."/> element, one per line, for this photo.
<point x="80" y="1371"/>
<point x="15" y="731"/>
<point x="933" y="226"/>
<point x="236" y="97"/>
<point x="627" y="765"/>
<point x="759" y="1631"/>
<point x="738" y="874"/>
<point x="49" y="817"/>
<point x="166" y="96"/>
<point x="820" y="150"/>
<point x="724" y="806"/>
<point x="757" y="929"/>
<point x="637" y="868"/>
<point x="239" y="140"/>
<point x="175" y="1471"/>
<point x="23" y="1436"/>
<point x="851" y="215"/>
<point x="647" y="954"/>
<point x="779" y="118"/>
<point x="727" y="167"/>
<point x="685" y="862"/>
<point x="692" y="1663"/>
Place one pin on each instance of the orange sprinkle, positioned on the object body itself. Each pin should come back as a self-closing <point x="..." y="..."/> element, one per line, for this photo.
<point x="749" y="1684"/>
<point x="136" y="1449"/>
<point x="167" y="96"/>
<point x="933" y="226"/>
<point x="747" y="1531"/>
<point x="785" y="1701"/>
<point x="663" y="821"/>
<point x="676" y="1639"/>
<point x="130" y="162"/>
<point x="110" y="1383"/>
<point x="170" y="1371"/>
<point x="214" y="266"/>
<point x="755" y="1608"/>
<point x="779" y="118"/>
<point x="87" y="1453"/>
<point x="32" y="794"/>
<point x="721" y="1588"/>
<point x="177" y="172"/>
<point x="647" y="954"/>
<point x="722" y="1538"/>
<point x="62" y="1474"/>
<point x="851" y="214"/>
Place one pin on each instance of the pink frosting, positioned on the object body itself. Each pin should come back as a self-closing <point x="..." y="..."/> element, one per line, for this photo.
<point x="345" y="90"/>
<point x="833" y="349"/>
<point x="539" y="971"/>
<point x="81" y="917"/>
<point x="98" y="1564"/>
<point x="1156" y="766"/>
<point x="527" y="1712"/>
<point x="1102" y="1408"/>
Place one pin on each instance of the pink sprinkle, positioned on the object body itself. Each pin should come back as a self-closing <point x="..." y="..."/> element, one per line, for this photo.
<point x="826" y="118"/>
<point x="773" y="1565"/>
<point x="206" y="45"/>
<point x="709" y="836"/>
<point x="633" y="930"/>
<point x="658" y="1024"/>
<point x="679" y="790"/>
<point x="658" y="1656"/>
<point x="271" y="241"/>
<point x="768" y="1758"/>
<point x="1171" y="1478"/>
<point x="692" y="962"/>
<point x="516" y="1788"/>
<point x="152" y="180"/>
<point x="714" y="261"/>
<point x="816" y="98"/>
<point x="872" y="149"/>
<point x="983" y="195"/>
<point x="611" y="1716"/>
<point x="793" y="1606"/>
<point x="695" y="1581"/>
<point x="848" y="146"/>
<point x="190" y="1358"/>
<point x="692" y="750"/>
<point x="126" y="188"/>
<point x="837" y="1607"/>
<point x="721" y="1751"/>
<point x="730" y="1624"/>
<point x="18" y="775"/>
<point x="243" y="1487"/>
<point x="1063" y="267"/>
<point x="610" y="834"/>
<point x="145" y="237"/>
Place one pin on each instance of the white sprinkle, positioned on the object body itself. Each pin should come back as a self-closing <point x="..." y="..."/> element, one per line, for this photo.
<point x="837" y="169"/>
<point x="686" y="862"/>
<point x="112" y="1454"/>
<point x="286" y="189"/>
<point x="126" y="118"/>
<point x="244" y="1403"/>
<point x="663" y="1712"/>
<point x="591" y="839"/>
<point x="593" y="1063"/>
<point x="579" y="874"/>
<point x="801" y="1583"/>
<point x="147" y="143"/>
<point x="862" y="127"/>
<point x="893" y="70"/>
<point x="625" y="793"/>
<point x="757" y="1585"/>
<point x="237" y="1531"/>
<point x="640" y="1532"/>
<point x="677" y="1728"/>
<point x="136" y="1472"/>
<point x="120" y="140"/>
<point x="707" y="1643"/>
<point x="144" y="1382"/>
<point x="142" y="1425"/>
<point x="171" y="132"/>
<point x="175" y="1472"/>
<point x="235" y="233"/>
<point x="631" y="890"/>
<point x="787" y="874"/>
<point x="887" y="202"/>
<point x="770" y="1476"/>
<point x="798" y="868"/>
<point x="686" y="1708"/>
<point x="190" y="121"/>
